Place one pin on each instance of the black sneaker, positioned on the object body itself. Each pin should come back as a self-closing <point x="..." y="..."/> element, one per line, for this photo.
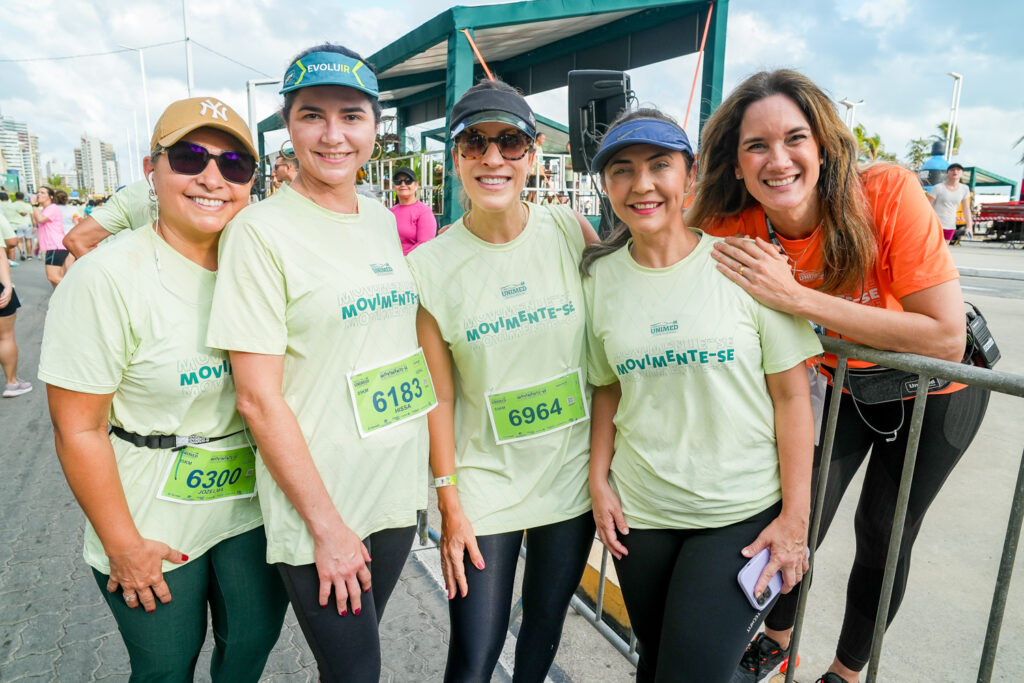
<point x="830" y="677"/>
<point x="762" y="658"/>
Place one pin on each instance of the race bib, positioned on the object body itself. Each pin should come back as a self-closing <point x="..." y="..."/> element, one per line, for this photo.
<point x="208" y="474"/>
<point x="392" y="393"/>
<point x="531" y="411"/>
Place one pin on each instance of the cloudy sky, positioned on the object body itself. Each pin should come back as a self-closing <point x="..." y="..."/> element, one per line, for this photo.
<point x="894" y="54"/>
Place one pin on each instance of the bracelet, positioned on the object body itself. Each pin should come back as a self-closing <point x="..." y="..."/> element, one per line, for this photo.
<point x="444" y="481"/>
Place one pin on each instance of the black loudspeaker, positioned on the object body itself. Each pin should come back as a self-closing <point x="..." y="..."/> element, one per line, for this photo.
<point x="596" y="97"/>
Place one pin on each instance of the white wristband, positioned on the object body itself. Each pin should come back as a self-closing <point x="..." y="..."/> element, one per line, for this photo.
<point x="444" y="481"/>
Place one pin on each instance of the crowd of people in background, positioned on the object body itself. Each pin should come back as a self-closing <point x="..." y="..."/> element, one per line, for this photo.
<point x="269" y="381"/>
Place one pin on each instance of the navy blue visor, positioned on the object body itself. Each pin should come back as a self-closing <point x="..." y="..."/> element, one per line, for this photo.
<point x="640" y="132"/>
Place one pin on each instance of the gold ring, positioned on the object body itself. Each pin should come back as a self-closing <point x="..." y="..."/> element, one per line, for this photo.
<point x="741" y="271"/>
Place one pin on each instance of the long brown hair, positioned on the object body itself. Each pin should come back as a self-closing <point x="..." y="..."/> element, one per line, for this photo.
<point x="620" y="234"/>
<point x="847" y="231"/>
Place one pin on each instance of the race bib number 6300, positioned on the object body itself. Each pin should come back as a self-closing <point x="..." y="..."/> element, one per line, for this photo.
<point x="208" y="474"/>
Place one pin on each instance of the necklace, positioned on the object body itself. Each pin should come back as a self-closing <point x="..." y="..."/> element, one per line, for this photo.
<point x="774" y="239"/>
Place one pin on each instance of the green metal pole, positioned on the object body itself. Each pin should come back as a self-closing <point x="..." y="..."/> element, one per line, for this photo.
<point x="458" y="81"/>
<point x="261" y="137"/>
<point x="400" y="129"/>
<point x="714" y="62"/>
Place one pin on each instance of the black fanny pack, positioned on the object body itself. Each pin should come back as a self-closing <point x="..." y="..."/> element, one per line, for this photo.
<point x="877" y="384"/>
<point x="882" y="385"/>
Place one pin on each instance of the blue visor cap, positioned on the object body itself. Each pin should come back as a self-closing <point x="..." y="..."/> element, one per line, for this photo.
<point x="483" y="106"/>
<point x="640" y="132"/>
<point x="330" y="68"/>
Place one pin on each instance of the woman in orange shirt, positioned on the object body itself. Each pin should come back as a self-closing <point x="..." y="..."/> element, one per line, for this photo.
<point x="860" y="253"/>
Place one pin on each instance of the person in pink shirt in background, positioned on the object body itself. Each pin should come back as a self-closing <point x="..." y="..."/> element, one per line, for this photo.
<point x="51" y="235"/>
<point x="416" y="222"/>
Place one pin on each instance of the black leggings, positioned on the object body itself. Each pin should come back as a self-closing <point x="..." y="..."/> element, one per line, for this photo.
<point x="950" y="424"/>
<point x="555" y="559"/>
<point x="348" y="648"/>
<point x="691" y="619"/>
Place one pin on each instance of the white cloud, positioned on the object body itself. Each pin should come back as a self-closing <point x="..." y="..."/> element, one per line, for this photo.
<point x="881" y="15"/>
<point x="754" y="42"/>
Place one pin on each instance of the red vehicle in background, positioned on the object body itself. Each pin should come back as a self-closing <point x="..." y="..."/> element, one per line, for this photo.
<point x="1007" y="221"/>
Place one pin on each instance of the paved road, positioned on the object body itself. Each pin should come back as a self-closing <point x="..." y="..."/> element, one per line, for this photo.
<point x="53" y="625"/>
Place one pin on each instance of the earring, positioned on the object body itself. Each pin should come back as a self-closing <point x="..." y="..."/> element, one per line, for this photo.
<point x="285" y="154"/>
<point x="378" y="151"/>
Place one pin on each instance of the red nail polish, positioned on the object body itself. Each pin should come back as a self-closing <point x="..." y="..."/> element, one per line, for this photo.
<point x="150" y="611"/>
<point x="184" y="557"/>
<point x="358" y="610"/>
<point x="344" y="612"/>
<point x="480" y="565"/>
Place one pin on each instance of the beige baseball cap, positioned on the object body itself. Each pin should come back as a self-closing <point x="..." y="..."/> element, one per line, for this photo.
<point x="184" y="116"/>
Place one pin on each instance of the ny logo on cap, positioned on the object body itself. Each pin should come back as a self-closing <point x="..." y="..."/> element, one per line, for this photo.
<point x="217" y="109"/>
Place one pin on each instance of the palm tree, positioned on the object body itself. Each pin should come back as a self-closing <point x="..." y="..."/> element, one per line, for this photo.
<point x="918" y="150"/>
<point x="944" y="137"/>
<point x="870" y="147"/>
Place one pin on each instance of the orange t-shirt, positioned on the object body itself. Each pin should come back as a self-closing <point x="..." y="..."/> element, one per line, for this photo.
<point x="912" y="254"/>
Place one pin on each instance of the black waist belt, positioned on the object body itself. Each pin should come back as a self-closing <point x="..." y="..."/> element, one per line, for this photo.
<point x="162" y="441"/>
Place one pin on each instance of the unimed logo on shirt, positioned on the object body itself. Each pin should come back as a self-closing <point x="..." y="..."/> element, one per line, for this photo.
<point x="515" y="289"/>
<point x="381" y="269"/>
<point x="664" y="328"/>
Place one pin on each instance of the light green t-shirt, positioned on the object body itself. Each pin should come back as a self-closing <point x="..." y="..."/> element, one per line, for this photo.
<point x="512" y="315"/>
<point x="128" y="209"/>
<point x="6" y="229"/>
<point x="20" y="213"/>
<point x="130" y="321"/>
<point x="332" y="294"/>
<point x="695" y="433"/>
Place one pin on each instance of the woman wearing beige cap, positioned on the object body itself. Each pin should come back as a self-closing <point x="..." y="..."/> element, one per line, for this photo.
<point x="173" y="521"/>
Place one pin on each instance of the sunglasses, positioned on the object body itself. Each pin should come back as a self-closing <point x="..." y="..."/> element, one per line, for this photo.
<point x="404" y="180"/>
<point x="188" y="158"/>
<point x="511" y="146"/>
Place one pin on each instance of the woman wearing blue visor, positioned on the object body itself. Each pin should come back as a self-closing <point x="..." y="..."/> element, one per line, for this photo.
<point x="317" y="309"/>
<point x="701" y="430"/>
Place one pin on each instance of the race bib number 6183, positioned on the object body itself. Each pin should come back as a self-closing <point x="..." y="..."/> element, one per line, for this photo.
<point x="392" y="393"/>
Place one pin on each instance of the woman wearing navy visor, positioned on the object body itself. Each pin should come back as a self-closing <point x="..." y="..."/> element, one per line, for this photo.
<point x="317" y="310"/>
<point x="701" y="432"/>
<point x="501" y="323"/>
<point x="174" y="530"/>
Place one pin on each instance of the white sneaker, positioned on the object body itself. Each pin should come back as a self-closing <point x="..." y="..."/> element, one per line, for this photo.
<point x="17" y="389"/>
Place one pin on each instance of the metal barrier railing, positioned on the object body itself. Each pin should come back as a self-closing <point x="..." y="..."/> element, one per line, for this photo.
<point x="926" y="369"/>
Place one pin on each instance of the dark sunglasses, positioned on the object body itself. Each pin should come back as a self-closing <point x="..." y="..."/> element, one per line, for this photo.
<point x="404" y="180"/>
<point x="511" y="146"/>
<point x="188" y="158"/>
